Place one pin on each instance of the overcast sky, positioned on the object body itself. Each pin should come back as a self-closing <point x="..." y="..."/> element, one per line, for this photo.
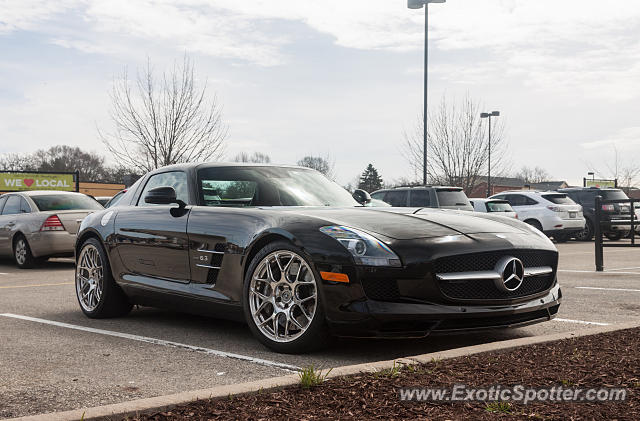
<point x="337" y="77"/>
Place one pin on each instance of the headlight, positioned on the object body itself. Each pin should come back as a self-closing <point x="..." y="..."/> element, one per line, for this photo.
<point x="365" y="248"/>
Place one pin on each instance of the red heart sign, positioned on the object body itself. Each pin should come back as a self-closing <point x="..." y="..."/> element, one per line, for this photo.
<point x="28" y="181"/>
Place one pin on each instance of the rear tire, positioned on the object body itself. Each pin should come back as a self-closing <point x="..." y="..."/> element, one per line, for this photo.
<point x="613" y="236"/>
<point x="587" y="233"/>
<point x="97" y="292"/>
<point x="22" y="253"/>
<point x="283" y="308"/>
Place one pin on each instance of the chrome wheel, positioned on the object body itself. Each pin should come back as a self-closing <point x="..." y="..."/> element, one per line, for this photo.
<point x="21" y="251"/>
<point x="89" y="278"/>
<point x="283" y="296"/>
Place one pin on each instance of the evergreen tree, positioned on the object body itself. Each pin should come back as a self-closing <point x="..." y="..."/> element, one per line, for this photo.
<point x="370" y="180"/>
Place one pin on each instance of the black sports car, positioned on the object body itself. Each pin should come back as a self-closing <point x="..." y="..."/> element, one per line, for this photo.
<point x="298" y="258"/>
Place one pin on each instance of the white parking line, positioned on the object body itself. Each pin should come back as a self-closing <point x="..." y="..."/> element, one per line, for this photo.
<point x="598" y="273"/>
<point x="3" y="273"/>
<point x="582" y="322"/>
<point x="155" y="341"/>
<point x="611" y="289"/>
<point x="636" y="267"/>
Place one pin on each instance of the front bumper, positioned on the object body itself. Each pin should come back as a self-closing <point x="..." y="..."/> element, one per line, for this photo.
<point x="372" y="318"/>
<point x="52" y="243"/>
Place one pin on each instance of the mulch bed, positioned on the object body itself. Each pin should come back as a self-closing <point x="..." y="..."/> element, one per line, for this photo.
<point x="605" y="360"/>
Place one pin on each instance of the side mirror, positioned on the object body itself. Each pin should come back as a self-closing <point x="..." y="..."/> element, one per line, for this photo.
<point x="362" y="196"/>
<point x="161" y="196"/>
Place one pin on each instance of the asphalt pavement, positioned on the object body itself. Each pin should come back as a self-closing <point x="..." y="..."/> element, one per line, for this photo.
<point x="53" y="358"/>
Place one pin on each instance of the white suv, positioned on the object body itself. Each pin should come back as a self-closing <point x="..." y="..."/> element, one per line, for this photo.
<point x="553" y="213"/>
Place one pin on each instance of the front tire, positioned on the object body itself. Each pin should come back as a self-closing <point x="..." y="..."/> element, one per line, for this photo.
<point x="22" y="253"/>
<point x="282" y="301"/>
<point x="98" y="294"/>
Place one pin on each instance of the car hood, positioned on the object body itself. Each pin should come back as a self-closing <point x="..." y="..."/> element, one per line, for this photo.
<point x="411" y="223"/>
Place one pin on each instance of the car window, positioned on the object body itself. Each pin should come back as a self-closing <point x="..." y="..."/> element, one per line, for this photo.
<point x="499" y="207"/>
<point x="517" y="200"/>
<point x="613" y="195"/>
<point x="115" y="199"/>
<point x="24" y="206"/>
<point x="269" y="186"/>
<point x="396" y="198"/>
<point x="587" y="197"/>
<point x="56" y="202"/>
<point x="228" y="192"/>
<point x="559" y="199"/>
<point x="452" y="197"/>
<point x="419" y="198"/>
<point x="378" y="196"/>
<point x="2" y="200"/>
<point x="12" y="206"/>
<point x="175" y="179"/>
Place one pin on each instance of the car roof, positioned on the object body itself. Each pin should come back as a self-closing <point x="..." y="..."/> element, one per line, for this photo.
<point x="419" y="187"/>
<point x="476" y="199"/>
<point x="588" y="189"/>
<point x="43" y="192"/>
<point x="199" y="165"/>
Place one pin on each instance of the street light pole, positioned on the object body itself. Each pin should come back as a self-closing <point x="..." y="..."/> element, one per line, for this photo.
<point x="418" y="4"/>
<point x="426" y="87"/>
<point x="489" y="115"/>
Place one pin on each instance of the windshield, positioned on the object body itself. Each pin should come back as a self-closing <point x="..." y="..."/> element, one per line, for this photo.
<point x="559" y="199"/>
<point x="57" y="202"/>
<point x="269" y="186"/>
<point x="613" y="194"/>
<point x="499" y="207"/>
<point x="453" y="198"/>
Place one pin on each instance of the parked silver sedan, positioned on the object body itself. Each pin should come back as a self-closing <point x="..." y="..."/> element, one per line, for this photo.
<point x="36" y="225"/>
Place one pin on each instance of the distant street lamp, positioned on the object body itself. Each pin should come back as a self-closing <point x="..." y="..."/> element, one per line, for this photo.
<point x="593" y="175"/>
<point x="489" y="115"/>
<point x="418" y="4"/>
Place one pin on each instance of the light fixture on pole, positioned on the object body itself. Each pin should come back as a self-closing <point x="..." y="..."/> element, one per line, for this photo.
<point x="593" y="175"/>
<point x="418" y="4"/>
<point x="489" y="115"/>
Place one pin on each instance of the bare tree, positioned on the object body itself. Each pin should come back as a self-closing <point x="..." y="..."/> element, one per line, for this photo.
<point x="624" y="169"/>
<point x="322" y="164"/>
<point x="457" y="145"/>
<point x="257" y="157"/>
<point x="164" y="121"/>
<point x="533" y="175"/>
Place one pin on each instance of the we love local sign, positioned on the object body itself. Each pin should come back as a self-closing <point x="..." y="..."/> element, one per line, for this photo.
<point x="20" y="181"/>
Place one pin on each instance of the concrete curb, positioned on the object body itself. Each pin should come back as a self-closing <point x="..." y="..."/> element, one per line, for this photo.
<point x="160" y="403"/>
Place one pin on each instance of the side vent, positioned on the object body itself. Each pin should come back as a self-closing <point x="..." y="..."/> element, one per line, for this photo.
<point x="215" y="262"/>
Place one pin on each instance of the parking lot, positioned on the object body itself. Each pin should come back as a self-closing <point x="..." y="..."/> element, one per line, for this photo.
<point x="54" y="358"/>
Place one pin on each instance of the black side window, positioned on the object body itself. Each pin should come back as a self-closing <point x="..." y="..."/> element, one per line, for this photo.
<point x="396" y="198"/>
<point x="587" y="198"/>
<point x="518" y="200"/>
<point x="12" y="206"/>
<point x="24" y="206"/>
<point x="2" y="200"/>
<point x="531" y="201"/>
<point x="419" y="198"/>
<point x="378" y="196"/>
<point x="175" y="179"/>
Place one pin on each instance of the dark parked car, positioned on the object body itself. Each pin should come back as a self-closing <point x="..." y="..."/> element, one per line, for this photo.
<point x="297" y="258"/>
<point x="425" y="196"/>
<point x="586" y="196"/>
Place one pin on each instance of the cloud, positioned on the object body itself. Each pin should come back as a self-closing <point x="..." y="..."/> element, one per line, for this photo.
<point x="627" y="138"/>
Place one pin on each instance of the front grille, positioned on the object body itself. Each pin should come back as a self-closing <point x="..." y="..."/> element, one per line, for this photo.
<point x="381" y="289"/>
<point x="482" y="289"/>
<point x="485" y="289"/>
<point x="487" y="260"/>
